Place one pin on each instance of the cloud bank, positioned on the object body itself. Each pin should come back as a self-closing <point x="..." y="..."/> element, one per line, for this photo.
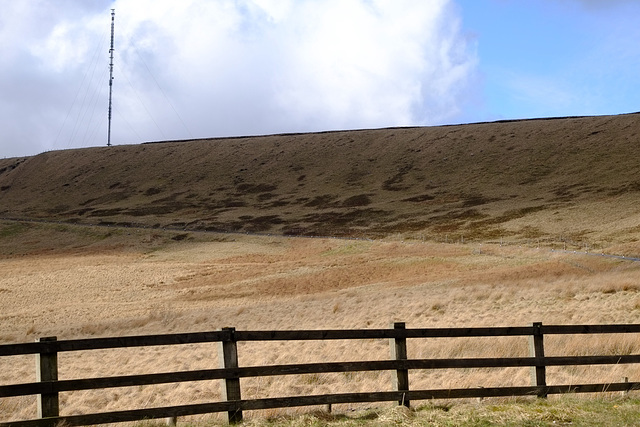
<point x="199" y="68"/>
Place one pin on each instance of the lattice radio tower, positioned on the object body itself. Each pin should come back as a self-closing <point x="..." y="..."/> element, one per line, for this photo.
<point x="113" y="15"/>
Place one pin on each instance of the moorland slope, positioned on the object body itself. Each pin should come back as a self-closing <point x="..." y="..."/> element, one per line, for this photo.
<point x="575" y="179"/>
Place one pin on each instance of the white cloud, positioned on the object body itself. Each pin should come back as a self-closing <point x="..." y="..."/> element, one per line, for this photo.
<point x="228" y="68"/>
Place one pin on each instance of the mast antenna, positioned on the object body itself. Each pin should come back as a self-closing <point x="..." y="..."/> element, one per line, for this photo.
<point x="113" y="14"/>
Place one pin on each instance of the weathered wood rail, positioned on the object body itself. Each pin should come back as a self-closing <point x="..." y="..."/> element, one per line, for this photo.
<point x="48" y="387"/>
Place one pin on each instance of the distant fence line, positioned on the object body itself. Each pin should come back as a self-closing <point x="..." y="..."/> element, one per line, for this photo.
<point x="48" y="386"/>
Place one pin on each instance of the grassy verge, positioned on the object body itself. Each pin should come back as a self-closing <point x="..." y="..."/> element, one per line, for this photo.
<point x="561" y="411"/>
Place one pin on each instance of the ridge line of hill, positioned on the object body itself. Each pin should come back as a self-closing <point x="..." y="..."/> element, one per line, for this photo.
<point x="556" y="179"/>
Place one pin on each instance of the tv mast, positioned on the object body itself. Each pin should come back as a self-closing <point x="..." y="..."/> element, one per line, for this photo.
<point x="113" y="14"/>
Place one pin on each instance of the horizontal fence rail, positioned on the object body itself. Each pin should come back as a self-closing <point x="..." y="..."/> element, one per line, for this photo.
<point x="304" y="335"/>
<point x="47" y="387"/>
<point x="307" y="368"/>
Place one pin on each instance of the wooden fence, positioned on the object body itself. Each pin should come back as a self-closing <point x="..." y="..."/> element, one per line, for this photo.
<point x="48" y="386"/>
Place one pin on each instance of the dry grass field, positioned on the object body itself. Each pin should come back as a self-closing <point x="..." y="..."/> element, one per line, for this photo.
<point x="464" y="226"/>
<point x="75" y="281"/>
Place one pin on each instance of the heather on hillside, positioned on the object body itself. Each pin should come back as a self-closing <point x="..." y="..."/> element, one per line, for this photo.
<point x="569" y="182"/>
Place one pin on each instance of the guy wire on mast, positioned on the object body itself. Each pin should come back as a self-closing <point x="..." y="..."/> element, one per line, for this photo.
<point x="113" y="14"/>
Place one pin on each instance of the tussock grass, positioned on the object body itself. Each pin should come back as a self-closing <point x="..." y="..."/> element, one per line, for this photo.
<point x="104" y="287"/>
<point x="564" y="410"/>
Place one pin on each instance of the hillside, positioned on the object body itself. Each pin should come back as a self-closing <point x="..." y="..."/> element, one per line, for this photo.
<point x="574" y="179"/>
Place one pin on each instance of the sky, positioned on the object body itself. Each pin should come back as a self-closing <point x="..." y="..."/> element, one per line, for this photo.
<point x="211" y="68"/>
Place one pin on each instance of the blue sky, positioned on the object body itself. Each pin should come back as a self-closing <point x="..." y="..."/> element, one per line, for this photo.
<point x="208" y="68"/>
<point x="540" y="58"/>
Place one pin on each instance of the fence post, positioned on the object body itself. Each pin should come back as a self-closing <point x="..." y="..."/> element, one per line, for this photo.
<point x="47" y="370"/>
<point x="399" y="378"/>
<point x="228" y="357"/>
<point x="536" y="349"/>
<point x="625" y="393"/>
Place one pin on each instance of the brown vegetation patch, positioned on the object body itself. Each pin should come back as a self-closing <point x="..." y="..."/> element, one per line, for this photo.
<point x="180" y="237"/>
<point x="475" y="200"/>
<point x="355" y="217"/>
<point x="419" y="199"/>
<point x="152" y="191"/>
<point x="230" y="203"/>
<point x="275" y="204"/>
<point x="256" y="188"/>
<point x="321" y="202"/>
<point x="105" y="212"/>
<point x="11" y="166"/>
<point x="171" y="197"/>
<point x="356" y="201"/>
<point x="405" y="226"/>
<point x="465" y="214"/>
<point x="109" y="198"/>
<point x="263" y="223"/>
<point x="394" y="183"/>
<point x="154" y="209"/>
<point x="266" y="196"/>
<point x="58" y="209"/>
<point x="514" y="214"/>
<point x="625" y="188"/>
